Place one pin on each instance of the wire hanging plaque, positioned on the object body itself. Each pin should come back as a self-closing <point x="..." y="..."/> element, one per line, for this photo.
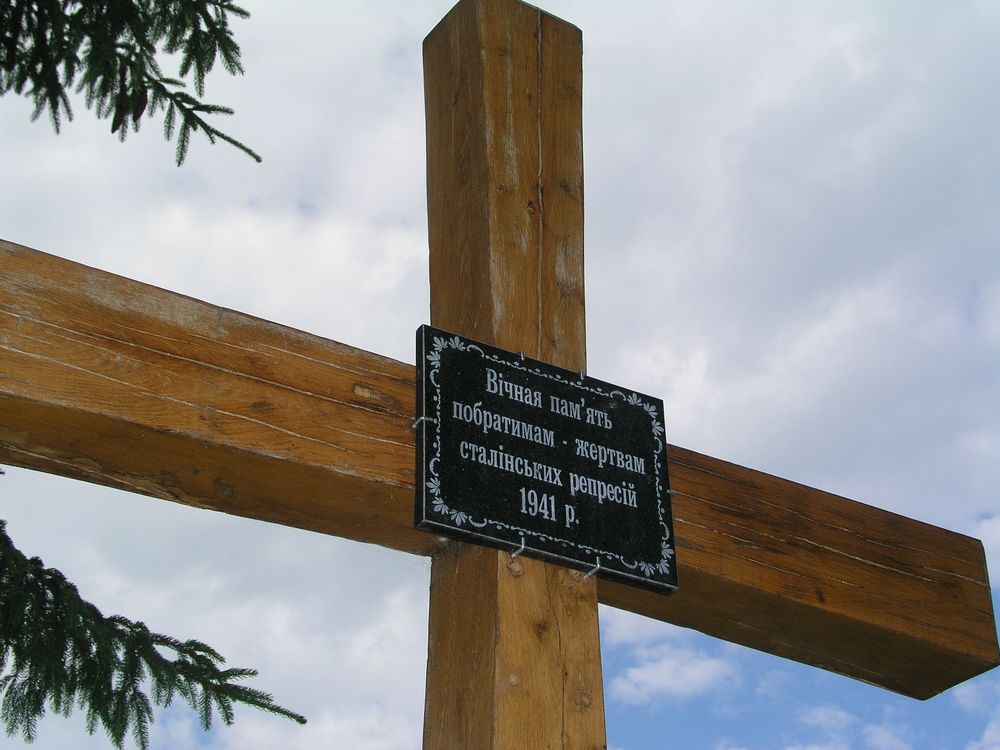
<point x="520" y="455"/>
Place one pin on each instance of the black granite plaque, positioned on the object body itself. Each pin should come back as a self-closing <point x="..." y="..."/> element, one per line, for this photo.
<point x="512" y="451"/>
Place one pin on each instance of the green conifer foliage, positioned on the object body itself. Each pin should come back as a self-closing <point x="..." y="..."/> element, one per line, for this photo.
<point x="58" y="651"/>
<point x="108" y="48"/>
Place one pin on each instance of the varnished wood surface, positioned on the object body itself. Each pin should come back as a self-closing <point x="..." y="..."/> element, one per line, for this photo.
<point x="119" y="383"/>
<point x="122" y="384"/>
<point x="798" y="572"/>
<point x="514" y="646"/>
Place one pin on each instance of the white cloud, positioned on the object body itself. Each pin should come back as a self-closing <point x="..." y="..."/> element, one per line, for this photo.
<point x="987" y="312"/>
<point x="842" y="729"/>
<point x="883" y="737"/>
<point x="621" y="628"/>
<point x="774" y="685"/>
<point x="670" y="672"/>
<point x="990" y="739"/>
<point x="828" y="718"/>
<point x="372" y="729"/>
<point x="982" y="699"/>
<point x="977" y="697"/>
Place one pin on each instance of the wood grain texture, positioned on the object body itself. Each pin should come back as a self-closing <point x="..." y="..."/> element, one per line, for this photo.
<point x="118" y="383"/>
<point x="883" y="598"/>
<point x="514" y="646"/>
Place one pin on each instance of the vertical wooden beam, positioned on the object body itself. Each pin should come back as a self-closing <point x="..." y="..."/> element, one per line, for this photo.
<point x="514" y="649"/>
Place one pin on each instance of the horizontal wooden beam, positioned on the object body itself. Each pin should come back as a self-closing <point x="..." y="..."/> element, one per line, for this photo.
<point x="123" y="384"/>
<point x="827" y="581"/>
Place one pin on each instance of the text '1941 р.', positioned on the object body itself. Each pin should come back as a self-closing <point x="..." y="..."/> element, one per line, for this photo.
<point x="518" y="454"/>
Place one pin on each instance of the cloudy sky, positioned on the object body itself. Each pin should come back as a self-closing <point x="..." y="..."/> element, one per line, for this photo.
<point x="793" y="237"/>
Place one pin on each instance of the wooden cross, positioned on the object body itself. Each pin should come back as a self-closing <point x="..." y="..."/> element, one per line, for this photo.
<point x="115" y="382"/>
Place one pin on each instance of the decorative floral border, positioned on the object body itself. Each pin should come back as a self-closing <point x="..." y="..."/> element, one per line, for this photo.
<point x="460" y="518"/>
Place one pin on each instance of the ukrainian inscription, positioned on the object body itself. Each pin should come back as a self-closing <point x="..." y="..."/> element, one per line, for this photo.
<point x="515" y="453"/>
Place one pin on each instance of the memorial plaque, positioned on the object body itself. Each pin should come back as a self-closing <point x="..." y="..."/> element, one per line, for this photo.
<point x="517" y="454"/>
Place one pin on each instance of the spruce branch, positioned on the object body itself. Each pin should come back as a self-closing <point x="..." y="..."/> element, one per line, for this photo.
<point x="109" y="49"/>
<point x="58" y="651"/>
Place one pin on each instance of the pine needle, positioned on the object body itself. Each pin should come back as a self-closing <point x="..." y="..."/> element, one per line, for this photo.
<point x="58" y="651"/>
<point x="113" y="45"/>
